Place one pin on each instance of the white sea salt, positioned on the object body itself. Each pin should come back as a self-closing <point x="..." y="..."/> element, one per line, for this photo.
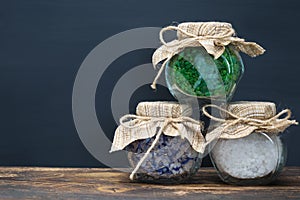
<point x="249" y="157"/>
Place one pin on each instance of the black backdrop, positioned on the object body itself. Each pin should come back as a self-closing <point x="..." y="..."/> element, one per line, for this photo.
<point x="43" y="43"/>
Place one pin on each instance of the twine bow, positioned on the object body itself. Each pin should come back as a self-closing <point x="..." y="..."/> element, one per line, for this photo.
<point x="134" y="123"/>
<point x="212" y="36"/>
<point x="238" y="127"/>
<point x="149" y="120"/>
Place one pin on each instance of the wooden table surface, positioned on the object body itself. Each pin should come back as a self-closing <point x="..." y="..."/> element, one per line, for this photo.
<point x="92" y="183"/>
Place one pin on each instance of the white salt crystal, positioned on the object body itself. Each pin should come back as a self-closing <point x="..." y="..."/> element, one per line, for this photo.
<point x="253" y="156"/>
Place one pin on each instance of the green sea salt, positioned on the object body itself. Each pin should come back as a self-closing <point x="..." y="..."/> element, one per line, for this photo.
<point x="194" y="72"/>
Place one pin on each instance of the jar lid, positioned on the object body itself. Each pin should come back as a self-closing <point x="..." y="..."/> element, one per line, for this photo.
<point x="163" y="109"/>
<point x="249" y="109"/>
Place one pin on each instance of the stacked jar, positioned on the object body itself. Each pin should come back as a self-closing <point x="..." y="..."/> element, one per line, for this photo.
<point x="204" y="63"/>
<point x="166" y="145"/>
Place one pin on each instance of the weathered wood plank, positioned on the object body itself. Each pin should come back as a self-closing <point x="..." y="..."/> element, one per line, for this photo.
<point x="85" y="183"/>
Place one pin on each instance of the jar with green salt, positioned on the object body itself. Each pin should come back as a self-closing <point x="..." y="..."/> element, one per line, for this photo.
<point x="203" y="61"/>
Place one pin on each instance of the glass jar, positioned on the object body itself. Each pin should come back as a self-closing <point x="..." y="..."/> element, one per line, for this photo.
<point x="173" y="158"/>
<point x="252" y="160"/>
<point x="194" y="72"/>
<point x="250" y="150"/>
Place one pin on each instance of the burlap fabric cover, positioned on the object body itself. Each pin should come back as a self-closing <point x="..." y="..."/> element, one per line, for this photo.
<point x="243" y="118"/>
<point x="172" y="118"/>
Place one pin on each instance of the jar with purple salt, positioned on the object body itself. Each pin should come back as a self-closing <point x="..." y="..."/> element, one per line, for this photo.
<point x="250" y="150"/>
<point x="164" y="144"/>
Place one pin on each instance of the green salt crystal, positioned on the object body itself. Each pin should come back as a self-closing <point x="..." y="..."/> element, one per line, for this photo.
<point x="194" y="72"/>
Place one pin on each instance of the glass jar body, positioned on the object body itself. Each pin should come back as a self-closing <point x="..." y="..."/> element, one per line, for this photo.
<point x="172" y="160"/>
<point x="256" y="159"/>
<point x="194" y="72"/>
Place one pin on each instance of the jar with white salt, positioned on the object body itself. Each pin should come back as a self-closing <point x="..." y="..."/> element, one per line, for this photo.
<point x="163" y="142"/>
<point x="249" y="150"/>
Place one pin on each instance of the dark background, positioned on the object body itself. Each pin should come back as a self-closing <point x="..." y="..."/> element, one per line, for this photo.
<point x="43" y="43"/>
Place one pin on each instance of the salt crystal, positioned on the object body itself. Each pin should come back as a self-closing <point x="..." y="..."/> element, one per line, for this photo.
<point x="253" y="156"/>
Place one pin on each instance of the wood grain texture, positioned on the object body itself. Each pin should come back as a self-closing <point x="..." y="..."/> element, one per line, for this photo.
<point x="91" y="183"/>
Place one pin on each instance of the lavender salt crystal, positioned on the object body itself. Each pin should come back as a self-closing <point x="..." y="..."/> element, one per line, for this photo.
<point x="172" y="158"/>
